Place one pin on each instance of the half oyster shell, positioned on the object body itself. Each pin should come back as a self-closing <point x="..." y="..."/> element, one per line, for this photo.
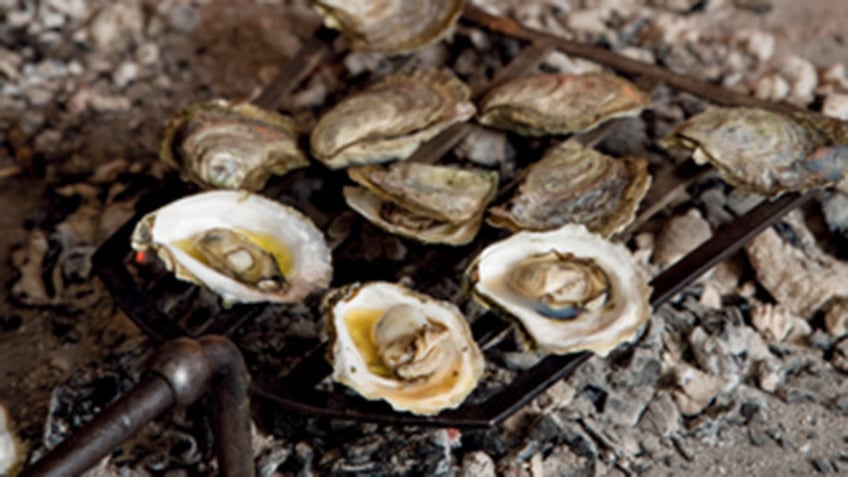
<point x="390" y="119"/>
<point x="226" y="145"/>
<point x="390" y="26"/>
<point x="574" y="184"/>
<point x="560" y="103"/>
<point x="428" y="203"/>
<point x="766" y="152"/>
<point x="568" y="289"/>
<point x="242" y="246"/>
<point x="407" y="348"/>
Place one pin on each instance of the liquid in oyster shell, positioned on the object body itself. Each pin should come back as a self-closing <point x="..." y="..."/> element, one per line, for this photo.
<point x="560" y="103"/>
<point x="576" y="185"/>
<point x="391" y="343"/>
<point x="226" y="145"/>
<point x="389" y="119"/>
<point x="569" y="290"/>
<point x="428" y="203"/>
<point x="391" y="26"/>
<point x="766" y="152"/>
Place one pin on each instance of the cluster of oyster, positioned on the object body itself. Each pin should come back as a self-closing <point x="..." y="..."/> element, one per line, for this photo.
<point x="559" y="278"/>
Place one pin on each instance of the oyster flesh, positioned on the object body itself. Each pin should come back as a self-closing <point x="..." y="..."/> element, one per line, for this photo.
<point x="560" y="103"/>
<point x="407" y="348"/>
<point x="390" y="119"/>
<point x="428" y="203"/>
<point x="242" y="246"/>
<point x="226" y="145"/>
<point x="574" y="184"/>
<point x="766" y="152"/>
<point x="390" y="26"/>
<point x="568" y="289"/>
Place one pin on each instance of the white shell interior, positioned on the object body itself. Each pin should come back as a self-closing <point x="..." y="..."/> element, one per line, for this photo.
<point x="600" y="331"/>
<point x="311" y="262"/>
<point x="425" y="396"/>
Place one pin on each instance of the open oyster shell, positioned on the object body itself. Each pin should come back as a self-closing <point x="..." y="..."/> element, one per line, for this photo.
<point x="766" y="152"/>
<point x="428" y="203"/>
<point x="560" y="103"/>
<point x="226" y="145"/>
<point x="574" y="184"/>
<point x="242" y="246"/>
<point x="390" y="119"/>
<point x="568" y="289"/>
<point x="407" y="348"/>
<point x="390" y="26"/>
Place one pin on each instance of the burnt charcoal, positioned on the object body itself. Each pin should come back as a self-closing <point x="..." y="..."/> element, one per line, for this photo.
<point x="489" y="441"/>
<point x="10" y="323"/>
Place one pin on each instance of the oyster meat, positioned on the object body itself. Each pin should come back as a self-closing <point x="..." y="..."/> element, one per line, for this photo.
<point x="766" y="152"/>
<point x="407" y="348"/>
<point x="560" y="103"/>
<point x="226" y="145"/>
<point x="568" y="289"/>
<point x="428" y="203"/>
<point x="390" y="119"/>
<point x="390" y="26"/>
<point x="574" y="184"/>
<point x="242" y="246"/>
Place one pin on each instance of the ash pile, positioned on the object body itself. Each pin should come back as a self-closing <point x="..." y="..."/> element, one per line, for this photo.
<point x="741" y="373"/>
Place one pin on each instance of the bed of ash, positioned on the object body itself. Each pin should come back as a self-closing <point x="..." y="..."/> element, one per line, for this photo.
<point x="736" y="376"/>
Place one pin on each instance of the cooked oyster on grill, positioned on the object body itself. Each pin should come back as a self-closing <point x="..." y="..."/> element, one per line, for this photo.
<point x="577" y="185"/>
<point x="227" y="145"/>
<point x="432" y="204"/>
<point x="391" y="343"/>
<point x="560" y="103"/>
<point x="242" y="246"/>
<point x="390" y="26"/>
<point x="390" y="119"/>
<point x="766" y="152"/>
<point x="568" y="289"/>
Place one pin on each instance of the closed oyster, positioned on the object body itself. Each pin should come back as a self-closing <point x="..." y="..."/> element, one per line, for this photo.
<point x="766" y="152"/>
<point x="560" y="103"/>
<point x="390" y="119"/>
<point x="390" y="26"/>
<point x="242" y="246"/>
<point x="569" y="290"/>
<point x="432" y="204"/>
<point x="407" y="348"/>
<point x="574" y="184"/>
<point x="226" y="145"/>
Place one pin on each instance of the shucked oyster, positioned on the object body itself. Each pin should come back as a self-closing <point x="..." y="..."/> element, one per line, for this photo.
<point x="390" y="26"/>
<point x="560" y="103"/>
<point x="432" y="204"/>
<point x="390" y="119"/>
<point x="766" y="152"/>
<point x="391" y="343"/>
<point x="242" y="246"/>
<point x="573" y="184"/>
<point x="225" y="145"/>
<point x="569" y="290"/>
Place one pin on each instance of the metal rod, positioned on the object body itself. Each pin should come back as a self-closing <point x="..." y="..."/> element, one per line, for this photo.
<point x="708" y="91"/>
<point x="180" y="372"/>
<point x="312" y="53"/>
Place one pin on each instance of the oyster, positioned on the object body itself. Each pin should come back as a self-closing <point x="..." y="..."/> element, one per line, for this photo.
<point x="390" y="26"/>
<point x="226" y="145"/>
<point x="242" y="246"/>
<point x="569" y="290"/>
<point x="766" y="152"/>
<point x="560" y="103"/>
<point x="432" y="204"/>
<point x="391" y="343"/>
<point x="390" y="119"/>
<point x="573" y="184"/>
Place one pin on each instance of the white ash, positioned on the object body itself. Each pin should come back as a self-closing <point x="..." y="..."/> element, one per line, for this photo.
<point x="776" y="323"/>
<point x="680" y="235"/>
<point x="836" y="317"/>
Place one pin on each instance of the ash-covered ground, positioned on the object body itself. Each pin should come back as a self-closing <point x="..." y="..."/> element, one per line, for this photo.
<point x="733" y="377"/>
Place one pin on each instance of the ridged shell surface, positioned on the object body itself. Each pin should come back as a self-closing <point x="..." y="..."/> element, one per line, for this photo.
<point x="388" y="120"/>
<point x="560" y="103"/>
